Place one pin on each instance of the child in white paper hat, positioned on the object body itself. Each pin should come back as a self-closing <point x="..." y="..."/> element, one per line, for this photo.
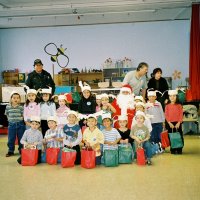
<point x="174" y="118"/>
<point x="31" y="107"/>
<point x="32" y="137"/>
<point x="62" y="110"/>
<point x="123" y="130"/>
<point x="141" y="135"/>
<point x="111" y="135"/>
<point x="73" y="134"/>
<point x="47" y="108"/>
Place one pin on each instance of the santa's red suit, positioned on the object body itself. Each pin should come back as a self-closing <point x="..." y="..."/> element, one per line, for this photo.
<point x="124" y="105"/>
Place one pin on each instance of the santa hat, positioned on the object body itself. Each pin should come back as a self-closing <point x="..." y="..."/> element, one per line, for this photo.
<point x="139" y="98"/>
<point x="67" y="97"/>
<point x="122" y="117"/>
<point x="35" y="119"/>
<point x="172" y="92"/>
<point x="52" y="118"/>
<point x="151" y="93"/>
<point x="84" y="86"/>
<point x="126" y="88"/>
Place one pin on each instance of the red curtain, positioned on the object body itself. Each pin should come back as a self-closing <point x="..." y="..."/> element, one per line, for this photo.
<point x="194" y="71"/>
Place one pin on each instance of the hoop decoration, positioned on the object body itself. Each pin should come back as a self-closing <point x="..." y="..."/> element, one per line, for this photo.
<point x="57" y="54"/>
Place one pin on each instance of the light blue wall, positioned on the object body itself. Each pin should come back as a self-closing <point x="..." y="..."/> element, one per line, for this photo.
<point x="163" y="44"/>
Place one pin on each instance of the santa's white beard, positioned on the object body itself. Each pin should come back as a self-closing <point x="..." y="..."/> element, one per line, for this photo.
<point x="125" y="102"/>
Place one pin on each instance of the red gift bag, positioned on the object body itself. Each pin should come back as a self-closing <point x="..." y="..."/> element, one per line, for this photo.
<point x="68" y="159"/>
<point x="29" y="157"/>
<point x="141" y="156"/>
<point x="52" y="155"/>
<point x="88" y="158"/>
<point x="188" y="95"/>
<point x="165" y="139"/>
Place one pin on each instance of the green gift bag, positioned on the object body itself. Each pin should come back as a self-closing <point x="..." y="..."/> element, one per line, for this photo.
<point x="125" y="153"/>
<point x="76" y="97"/>
<point x="175" y="140"/>
<point x="111" y="158"/>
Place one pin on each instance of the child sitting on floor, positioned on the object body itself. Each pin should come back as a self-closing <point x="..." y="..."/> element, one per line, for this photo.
<point x="111" y="135"/>
<point x="33" y="137"/>
<point x="141" y="136"/>
<point x="73" y="134"/>
<point x="93" y="137"/>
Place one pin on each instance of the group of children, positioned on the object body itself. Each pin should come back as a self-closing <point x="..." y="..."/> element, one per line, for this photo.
<point x="92" y="126"/>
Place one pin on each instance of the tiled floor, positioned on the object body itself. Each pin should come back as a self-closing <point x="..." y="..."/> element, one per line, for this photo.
<point x="171" y="177"/>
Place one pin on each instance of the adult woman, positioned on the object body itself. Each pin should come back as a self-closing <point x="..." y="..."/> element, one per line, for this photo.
<point x="157" y="82"/>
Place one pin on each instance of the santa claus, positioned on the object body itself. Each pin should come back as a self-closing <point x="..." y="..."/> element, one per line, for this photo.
<point x="124" y="105"/>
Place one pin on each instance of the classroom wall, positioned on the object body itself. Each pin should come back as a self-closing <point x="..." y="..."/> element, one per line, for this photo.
<point x="161" y="44"/>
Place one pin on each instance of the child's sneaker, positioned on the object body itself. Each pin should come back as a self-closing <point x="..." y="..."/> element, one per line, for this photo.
<point x="149" y="162"/>
<point x="160" y="149"/>
<point x="9" y="154"/>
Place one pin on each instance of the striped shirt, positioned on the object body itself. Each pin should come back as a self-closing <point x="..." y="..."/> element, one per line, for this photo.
<point x="31" y="136"/>
<point x="51" y="134"/>
<point x="14" y="114"/>
<point x="111" y="136"/>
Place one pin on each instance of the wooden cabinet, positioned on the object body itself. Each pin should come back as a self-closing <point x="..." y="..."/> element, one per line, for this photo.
<point x="10" y="78"/>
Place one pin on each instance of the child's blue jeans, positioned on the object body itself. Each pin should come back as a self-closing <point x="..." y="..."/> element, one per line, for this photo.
<point x="156" y="131"/>
<point x="147" y="147"/>
<point x="15" y="129"/>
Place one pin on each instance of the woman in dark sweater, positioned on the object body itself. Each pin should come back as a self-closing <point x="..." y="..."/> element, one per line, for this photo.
<point x="157" y="82"/>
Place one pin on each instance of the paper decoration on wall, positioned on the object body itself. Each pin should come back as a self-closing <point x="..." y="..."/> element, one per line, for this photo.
<point x="57" y="54"/>
<point x="176" y="75"/>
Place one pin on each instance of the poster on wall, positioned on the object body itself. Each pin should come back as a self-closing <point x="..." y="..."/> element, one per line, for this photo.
<point x="21" y="78"/>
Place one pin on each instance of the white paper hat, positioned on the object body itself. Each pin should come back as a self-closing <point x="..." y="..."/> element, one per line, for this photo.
<point x="151" y="93"/>
<point x="84" y="86"/>
<point x="140" y="113"/>
<point x="91" y="116"/>
<point x="14" y="92"/>
<point x="140" y="104"/>
<point x="35" y="119"/>
<point x="139" y="98"/>
<point x="104" y="95"/>
<point x="46" y="91"/>
<point x="122" y="117"/>
<point x="172" y="92"/>
<point x="52" y="118"/>
<point x="72" y="112"/>
<point x="98" y="96"/>
<point x="106" y="115"/>
<point x="31" y="91"/>
<point x="62" y="97"/>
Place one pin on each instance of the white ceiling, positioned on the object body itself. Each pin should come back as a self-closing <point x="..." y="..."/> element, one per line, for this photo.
<point x="36" y="13"/>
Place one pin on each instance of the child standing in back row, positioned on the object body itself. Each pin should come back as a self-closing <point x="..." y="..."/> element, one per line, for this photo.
<point x="174" y="117"/>
<point x="16" y="127"/>
<point x="154" y="108"/>
<point x="31" y="107"/>
<point x="47" y="108"/>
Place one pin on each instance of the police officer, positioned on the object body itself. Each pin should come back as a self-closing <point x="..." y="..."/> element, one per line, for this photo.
<point x="40" y="78"/>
